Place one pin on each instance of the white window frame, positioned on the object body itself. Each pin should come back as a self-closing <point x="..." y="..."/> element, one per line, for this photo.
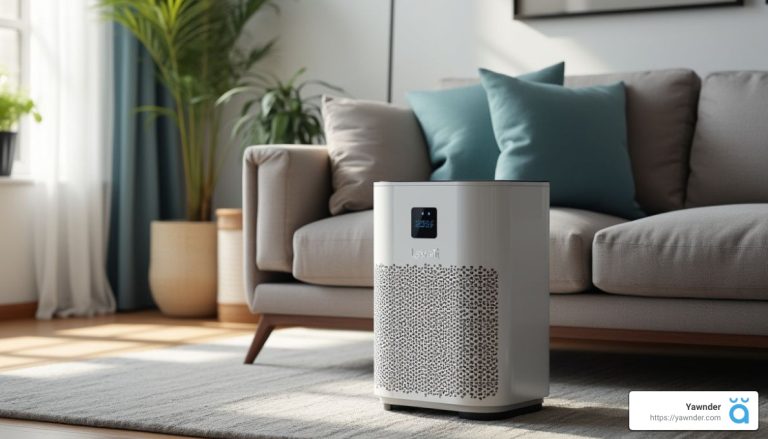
<point x="21" y="25"/>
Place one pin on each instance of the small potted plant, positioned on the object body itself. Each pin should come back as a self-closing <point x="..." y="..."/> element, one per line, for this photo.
<point x="275" y="111"/>
<point x="13" y="106"/>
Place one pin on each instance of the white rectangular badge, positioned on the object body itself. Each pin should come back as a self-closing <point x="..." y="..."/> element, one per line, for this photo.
<point x="720" y="410"/>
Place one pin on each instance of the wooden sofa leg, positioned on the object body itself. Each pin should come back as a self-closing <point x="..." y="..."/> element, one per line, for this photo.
<point x="266" y="325"/>
<point x="269" y="322"/>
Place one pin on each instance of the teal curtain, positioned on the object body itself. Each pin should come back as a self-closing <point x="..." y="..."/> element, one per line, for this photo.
<point x="146" y="172"/>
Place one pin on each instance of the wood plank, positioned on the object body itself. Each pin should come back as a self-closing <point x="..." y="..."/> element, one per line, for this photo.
<point x="18" y="311"/>
<point x="348" y="323"/>
<point x="564" y="333"/>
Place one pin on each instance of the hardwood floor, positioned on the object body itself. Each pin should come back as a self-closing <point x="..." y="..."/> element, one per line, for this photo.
<point x="25" y="343"/>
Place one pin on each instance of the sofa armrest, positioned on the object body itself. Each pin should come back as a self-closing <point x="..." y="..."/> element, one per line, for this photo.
<point x="284" y="188"/>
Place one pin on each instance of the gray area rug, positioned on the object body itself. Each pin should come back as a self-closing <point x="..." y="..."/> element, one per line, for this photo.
<point x="311" y="383"/>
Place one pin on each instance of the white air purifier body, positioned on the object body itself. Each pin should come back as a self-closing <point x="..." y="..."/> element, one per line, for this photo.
<point x="461" y="296"/>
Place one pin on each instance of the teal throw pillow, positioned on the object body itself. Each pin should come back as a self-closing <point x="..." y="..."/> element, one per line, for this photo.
<point x="574" y="138"/>
<point x="457" y="127"/>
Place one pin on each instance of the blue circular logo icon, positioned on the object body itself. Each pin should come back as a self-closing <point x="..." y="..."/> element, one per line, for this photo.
<point x="739" y="413"/>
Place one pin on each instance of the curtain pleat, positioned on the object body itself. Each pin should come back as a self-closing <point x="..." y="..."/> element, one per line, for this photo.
<point x="146" y="171"/>
<point x="70" y="149"/>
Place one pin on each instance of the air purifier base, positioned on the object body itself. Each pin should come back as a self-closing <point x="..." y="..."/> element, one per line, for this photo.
<point x="466" y="412"/>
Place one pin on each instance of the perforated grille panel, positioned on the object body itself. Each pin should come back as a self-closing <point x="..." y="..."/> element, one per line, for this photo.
<point x="436" y="330"/>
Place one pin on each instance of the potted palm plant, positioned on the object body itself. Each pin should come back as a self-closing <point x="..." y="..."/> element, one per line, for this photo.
<point x="194" y="45"/>
<point x="13" y="106"/>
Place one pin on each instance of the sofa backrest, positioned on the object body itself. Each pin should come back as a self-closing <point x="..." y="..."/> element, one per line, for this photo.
<point x="661" y="115"/>
<point x="729" y="156"/>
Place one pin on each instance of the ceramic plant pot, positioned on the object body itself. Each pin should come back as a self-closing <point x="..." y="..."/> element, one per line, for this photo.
<point x="7" y="152"/>
<point x="182" y="268"/>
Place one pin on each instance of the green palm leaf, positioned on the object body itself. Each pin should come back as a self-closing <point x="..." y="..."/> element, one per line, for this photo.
<point x="193" y="44"/>
<point x="282" y="114"/>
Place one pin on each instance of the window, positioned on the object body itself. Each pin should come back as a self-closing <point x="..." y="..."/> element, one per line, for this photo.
<point x="14" y="59"/>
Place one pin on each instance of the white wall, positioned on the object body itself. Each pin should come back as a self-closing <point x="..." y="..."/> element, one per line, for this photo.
<point x="228" y="191"/>
<point x="443" y="38"/>
<point x="343" y="42"/>
<point x="17" y="281"/>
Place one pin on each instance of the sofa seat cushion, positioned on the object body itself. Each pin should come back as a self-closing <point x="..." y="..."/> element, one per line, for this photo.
<point x="335" y="251"/>
<point x="717" y="252"/>
<point x="338" y="251"/>
<point x="570" y="247"/>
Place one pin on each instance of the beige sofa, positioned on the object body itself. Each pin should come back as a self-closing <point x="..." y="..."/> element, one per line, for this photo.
<point x="695" y="271"/>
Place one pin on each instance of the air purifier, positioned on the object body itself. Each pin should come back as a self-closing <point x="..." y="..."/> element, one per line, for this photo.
<point x="461" y="296"/>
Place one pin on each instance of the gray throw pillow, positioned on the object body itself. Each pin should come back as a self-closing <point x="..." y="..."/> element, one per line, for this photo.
<point x="370" y="141"/>
<point x="729" y="157"/>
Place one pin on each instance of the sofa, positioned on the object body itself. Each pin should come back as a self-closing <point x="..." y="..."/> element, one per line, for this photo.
<point x="694" y="271"/>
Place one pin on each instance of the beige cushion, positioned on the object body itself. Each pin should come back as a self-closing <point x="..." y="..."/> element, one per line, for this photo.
<point x="370" y="141"/>
<point x="335" y="251"/>
<point x="570" y="247"/>
<point x="339" y="251"/>
<point x="716" y="252"/>
<point x="729" y="159"/>
<point x="661" y="114"/>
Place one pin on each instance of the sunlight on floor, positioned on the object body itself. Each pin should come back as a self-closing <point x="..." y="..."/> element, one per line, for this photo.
<point x="29" y="343"/>
<point x="108" y="330"/>
<point x="69" y="349"/>
<point x="73" y="369"/>
<point x="13" y="344"/>
<point x="8" y="362"/>
<point x="187" y="357"/>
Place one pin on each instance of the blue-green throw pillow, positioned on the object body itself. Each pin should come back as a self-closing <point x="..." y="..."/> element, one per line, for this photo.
<point x="457" y="126"/>
<point x="574" y="138"/>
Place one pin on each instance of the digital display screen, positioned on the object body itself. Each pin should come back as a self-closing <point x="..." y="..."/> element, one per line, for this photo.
<point x="424" y="222"/>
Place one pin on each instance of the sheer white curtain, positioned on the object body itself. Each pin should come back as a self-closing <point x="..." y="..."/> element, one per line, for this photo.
<point x="71" y="82"/>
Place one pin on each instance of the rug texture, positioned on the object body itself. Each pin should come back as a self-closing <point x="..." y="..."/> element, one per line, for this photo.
<point x="311" y="384"/>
